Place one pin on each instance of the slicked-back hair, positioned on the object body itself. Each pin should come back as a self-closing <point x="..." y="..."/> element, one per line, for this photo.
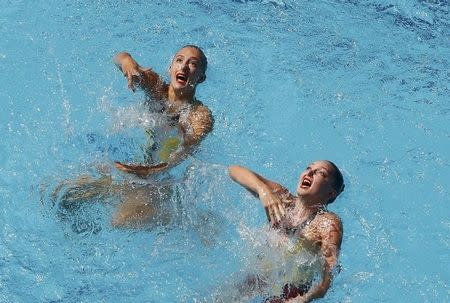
<point x="203" y="58"/>
<point x="338" y="181"/>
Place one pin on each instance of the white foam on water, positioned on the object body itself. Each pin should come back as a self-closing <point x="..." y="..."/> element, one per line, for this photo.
<point x="132" y="116"/>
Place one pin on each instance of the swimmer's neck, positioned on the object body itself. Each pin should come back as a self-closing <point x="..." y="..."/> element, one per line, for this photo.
<point x="301" y="213"/>
<point x="184" y="95"/>
<point x="304" y="208"/>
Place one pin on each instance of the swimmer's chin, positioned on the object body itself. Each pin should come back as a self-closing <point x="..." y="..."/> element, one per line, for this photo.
<point x="181" y="86"/>
<point x="181" y="83"/>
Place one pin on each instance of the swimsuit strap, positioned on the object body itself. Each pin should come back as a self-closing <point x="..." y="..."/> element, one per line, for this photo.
<point x="301" y="226"/>
<point x="182" y="111"/>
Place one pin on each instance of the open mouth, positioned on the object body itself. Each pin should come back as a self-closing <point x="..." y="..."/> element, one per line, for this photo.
<point x="181" y="78"/>
<point x="306" y="183"/>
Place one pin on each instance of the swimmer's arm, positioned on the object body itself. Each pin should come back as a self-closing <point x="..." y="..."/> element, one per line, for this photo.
<point x="274" y="187"/>
<point x="260" y="188"/>
<point x="248" y="179"/>
<point x="145" y="78"/>
<point x="278" y="189"/>
<point x="331" y="238"/>
<point x="199" y="124"/>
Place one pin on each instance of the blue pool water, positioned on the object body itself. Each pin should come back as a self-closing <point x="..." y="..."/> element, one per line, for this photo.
<point x="363" y="83"/>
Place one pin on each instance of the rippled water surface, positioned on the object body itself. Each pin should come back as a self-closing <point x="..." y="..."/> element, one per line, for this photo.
<point x="363" y="83"/>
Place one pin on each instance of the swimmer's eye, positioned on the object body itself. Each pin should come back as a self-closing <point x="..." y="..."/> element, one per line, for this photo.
<point x="194" y="64"/>
<point x="179" y="59"/>
<point x="320" y="172"/>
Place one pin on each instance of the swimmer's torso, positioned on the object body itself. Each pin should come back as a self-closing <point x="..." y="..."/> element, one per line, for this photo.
<point x="288" y="260"/>
<point x="302" y="247"/>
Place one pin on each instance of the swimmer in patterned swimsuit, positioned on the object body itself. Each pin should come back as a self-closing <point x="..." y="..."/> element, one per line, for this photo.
<point x="303" y="216"/>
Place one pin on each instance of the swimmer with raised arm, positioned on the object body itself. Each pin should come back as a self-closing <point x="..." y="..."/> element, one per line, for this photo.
<point x="303" y="217"/>
<point x="176" y="99"/>
<point x="144" y="204"/>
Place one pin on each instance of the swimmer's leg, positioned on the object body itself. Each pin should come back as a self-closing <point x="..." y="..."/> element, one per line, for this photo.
<point x="83" y="189"/>
<point x="143" y="206"/>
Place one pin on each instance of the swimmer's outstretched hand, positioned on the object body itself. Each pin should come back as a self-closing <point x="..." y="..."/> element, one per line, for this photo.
<point x="141" y="170"/>
<point x="130" y="69"/>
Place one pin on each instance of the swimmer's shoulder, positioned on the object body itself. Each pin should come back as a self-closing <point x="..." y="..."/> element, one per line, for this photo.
<point x="325" y="229"/>
<point x="328" y="216"/>
<point x="200" y="109"/>
<point x="196" y="121"/>
<point x="200" y="116"/>
<point x="327" y="222"/>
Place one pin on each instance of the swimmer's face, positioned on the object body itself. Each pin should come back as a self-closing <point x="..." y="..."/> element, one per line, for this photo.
<point x="186" y="70"/>
<point x="316" y="183"/>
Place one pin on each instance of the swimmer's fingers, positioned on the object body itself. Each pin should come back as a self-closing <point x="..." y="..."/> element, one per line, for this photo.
<point x="273" y="214"/>
<point x="122" y="167"/>
<point x="143" y="70"/>
<point x="130" y="83"/>
<point x="281" y="209"/>
<point x="130" y="75"/>
<point x="270" y="216"/>
<point x="133" y="75"/>
<point x="276" y="213"/>
<point x="278" y="208"/>
<point x="273" y="219"/>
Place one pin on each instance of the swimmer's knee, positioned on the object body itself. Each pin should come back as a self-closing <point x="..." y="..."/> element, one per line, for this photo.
<point x="118" y="222"/>
<point x="133" y="216"/>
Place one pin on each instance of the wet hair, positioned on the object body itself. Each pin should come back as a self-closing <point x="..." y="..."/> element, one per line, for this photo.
<point x="203" y="58"/>
<point x="338" y="181"/>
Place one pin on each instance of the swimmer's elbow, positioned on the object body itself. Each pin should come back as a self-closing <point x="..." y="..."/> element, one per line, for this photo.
<point x="316" y="293"/>
<point x="120" y="56"/>
<point x="322" y="291"/>
<point x="322" y="288"/>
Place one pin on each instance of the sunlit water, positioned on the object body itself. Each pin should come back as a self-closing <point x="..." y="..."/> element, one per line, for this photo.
<point x="363" y="83"/>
